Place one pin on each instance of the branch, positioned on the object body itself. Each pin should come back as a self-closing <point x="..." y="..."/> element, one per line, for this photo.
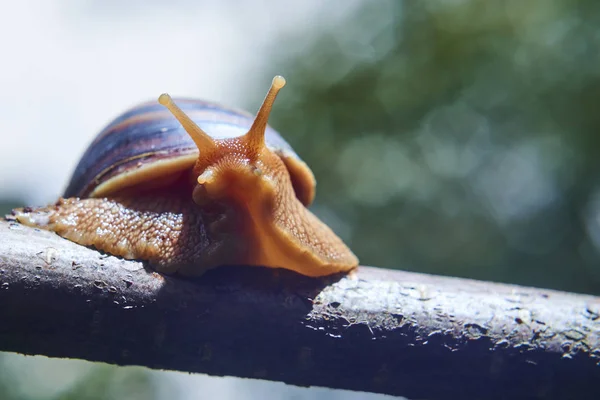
<point x="380" y="331"/>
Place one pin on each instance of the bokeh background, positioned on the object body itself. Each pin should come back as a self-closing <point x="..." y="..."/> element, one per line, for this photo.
<point x="455" y="137"/>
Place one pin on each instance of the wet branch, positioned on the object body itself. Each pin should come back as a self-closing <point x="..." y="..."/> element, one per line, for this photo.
<point x="382" y="331"/>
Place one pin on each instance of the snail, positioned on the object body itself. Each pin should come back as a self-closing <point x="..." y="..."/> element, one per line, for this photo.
<point x="154" y="186"/>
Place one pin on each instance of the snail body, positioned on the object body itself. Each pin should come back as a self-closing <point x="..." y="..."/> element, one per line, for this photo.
<point x="160" y="189"/>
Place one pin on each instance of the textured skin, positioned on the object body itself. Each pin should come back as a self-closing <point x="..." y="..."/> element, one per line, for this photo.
<point x="168" y="231"/>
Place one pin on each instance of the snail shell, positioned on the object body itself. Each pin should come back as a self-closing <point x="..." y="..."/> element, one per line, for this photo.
<point x="161" y="189"/>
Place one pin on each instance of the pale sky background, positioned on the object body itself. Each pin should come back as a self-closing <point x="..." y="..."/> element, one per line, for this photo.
<point x="70" y="66"/>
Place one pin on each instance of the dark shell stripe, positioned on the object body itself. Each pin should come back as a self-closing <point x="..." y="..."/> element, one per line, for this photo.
<point x="150" y="132"/>
<point x="184" y="104"/>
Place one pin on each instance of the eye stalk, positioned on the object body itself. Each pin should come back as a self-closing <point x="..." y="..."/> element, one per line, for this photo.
<point x="254" y="139"/>
<point x="256" y="135"/>
<point x="201" y="138"/>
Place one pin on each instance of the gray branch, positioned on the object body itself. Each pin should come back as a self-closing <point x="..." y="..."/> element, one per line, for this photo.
<point x="380" y="331"/>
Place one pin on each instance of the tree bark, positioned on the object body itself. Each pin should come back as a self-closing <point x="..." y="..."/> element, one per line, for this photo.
<point x="376" y="330"/>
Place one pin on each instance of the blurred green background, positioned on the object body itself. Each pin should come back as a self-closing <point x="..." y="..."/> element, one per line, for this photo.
<point x="454" y="137"/>
<point x="457" y="137"/>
